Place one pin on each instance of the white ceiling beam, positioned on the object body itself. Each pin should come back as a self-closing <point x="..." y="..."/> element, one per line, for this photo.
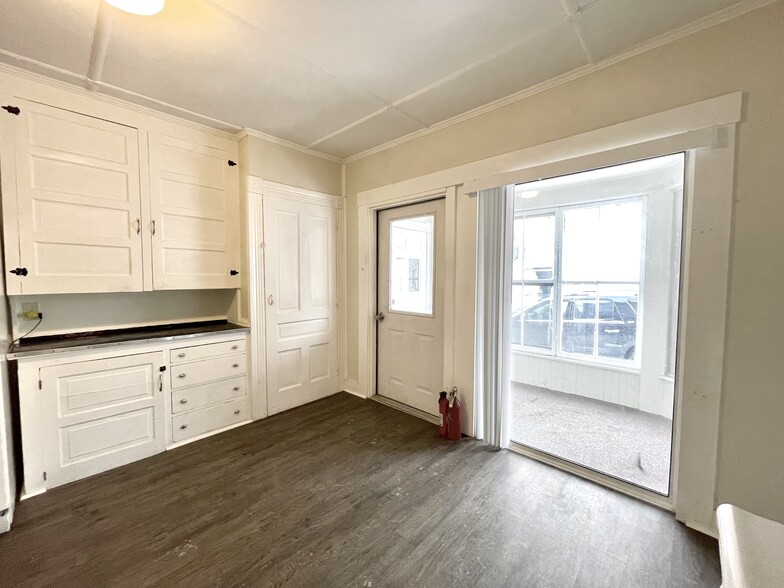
<point x="101" y="38"/>
<point x="574" y="16"/>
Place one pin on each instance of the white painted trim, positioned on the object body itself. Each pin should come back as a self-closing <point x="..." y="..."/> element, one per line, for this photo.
<point x="207" y="434"/>
<point x="420" y="414"/>
<point x="267" y="188"/>
<point x="257" y="355"/>
<point x="246" y="132"/>
<point x="710" y="137"/>
<point x="350" y="387"/>
<point x="705" y="114"/>
<point x="663" y="502"/>
<point x="706" y="22"/>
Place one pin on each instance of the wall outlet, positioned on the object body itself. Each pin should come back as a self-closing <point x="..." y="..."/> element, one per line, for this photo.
<point x="30" y="311"/>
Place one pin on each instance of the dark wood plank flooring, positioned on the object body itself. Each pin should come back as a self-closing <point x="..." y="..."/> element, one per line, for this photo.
<point x="346" y="492"/>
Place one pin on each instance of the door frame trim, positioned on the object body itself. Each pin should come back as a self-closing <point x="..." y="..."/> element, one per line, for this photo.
<point x="258" y="188"/>
<point x="368" y="287"/>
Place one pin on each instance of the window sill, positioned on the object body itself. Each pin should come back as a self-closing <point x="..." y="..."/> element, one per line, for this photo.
<point x="593" y="364"/>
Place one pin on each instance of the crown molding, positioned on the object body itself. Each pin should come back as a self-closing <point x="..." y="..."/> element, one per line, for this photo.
<point x="696" y="26"/>
<point x="246" y="132"/>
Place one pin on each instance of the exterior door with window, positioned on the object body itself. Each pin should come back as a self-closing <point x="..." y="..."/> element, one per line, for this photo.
<point x="410" y="315"/>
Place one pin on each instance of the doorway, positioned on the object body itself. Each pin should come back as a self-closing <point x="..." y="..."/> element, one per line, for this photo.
<point x="410" y="304"/>
<point x="595" y="296"/>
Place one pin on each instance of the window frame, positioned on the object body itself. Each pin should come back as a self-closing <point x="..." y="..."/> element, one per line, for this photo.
<point x="557" y="284"/>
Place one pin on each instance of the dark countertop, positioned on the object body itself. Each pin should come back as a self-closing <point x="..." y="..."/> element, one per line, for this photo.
<point x="36" y="346"/>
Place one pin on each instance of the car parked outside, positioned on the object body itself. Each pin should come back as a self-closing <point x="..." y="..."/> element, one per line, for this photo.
<point x="617" y="324"/>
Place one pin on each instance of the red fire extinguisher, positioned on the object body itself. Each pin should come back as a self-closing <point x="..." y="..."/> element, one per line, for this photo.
<point x="454" y="416"/>
<point x="442" y="406"/>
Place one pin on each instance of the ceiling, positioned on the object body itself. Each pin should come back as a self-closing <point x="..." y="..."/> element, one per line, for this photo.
<point x="336" y="76"/>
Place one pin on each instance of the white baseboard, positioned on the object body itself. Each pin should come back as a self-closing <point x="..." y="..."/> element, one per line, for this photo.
<point x="352" y="387"/>
<point x="7" y="519"/>
<point x="705" y="530"/>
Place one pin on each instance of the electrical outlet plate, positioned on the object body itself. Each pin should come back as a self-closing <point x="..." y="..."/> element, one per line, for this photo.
<point x="30" y="311"/>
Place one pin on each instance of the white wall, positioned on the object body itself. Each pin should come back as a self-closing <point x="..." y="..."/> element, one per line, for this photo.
<point x="744" y="54"/>
<point x="71" y="313"/>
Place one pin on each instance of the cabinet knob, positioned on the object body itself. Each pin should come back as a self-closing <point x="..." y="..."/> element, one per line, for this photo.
<point x="236" y="387"/>
<point x="235" y="346"/>
<point x="183" y="426"/>
<point x="184" y="401"/>
<point x="180" y="375"/>
<point x="237" y="411"/>
<point x="235" y="365"/>
<point x="180" y="355"/>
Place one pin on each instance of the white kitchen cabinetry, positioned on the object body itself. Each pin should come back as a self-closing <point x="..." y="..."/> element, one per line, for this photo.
<point x="101" y="414"/>
<point x="85" y="412"/>
<point x="209" y="388"/>
<point x="193" y="203"/>
<point x="72" y="204"/>
<point x="112" y="201"/>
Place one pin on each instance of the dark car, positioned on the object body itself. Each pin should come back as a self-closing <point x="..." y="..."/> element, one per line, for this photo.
<point x="617" y="325"/>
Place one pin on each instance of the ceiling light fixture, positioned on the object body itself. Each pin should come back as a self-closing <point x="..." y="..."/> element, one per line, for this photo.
<point x="140" y="7"/>
<point x="529" y="194"/>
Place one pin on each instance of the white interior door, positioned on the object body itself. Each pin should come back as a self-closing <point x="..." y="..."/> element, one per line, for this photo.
<point x="410" y="361"/>
<point x="79" y="211"/>
<point x="300" y="270"/>
<point x="195" y="215"/>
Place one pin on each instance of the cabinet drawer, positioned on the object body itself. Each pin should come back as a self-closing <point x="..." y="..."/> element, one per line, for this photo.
<point x="208" y="370"/>
<point x="209" y="419"/>
<point x="194" y="352"/>
<point x="195" y="397"/>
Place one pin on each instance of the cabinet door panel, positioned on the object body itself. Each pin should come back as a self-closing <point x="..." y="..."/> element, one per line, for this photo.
<point x="101" y="414"/>
<point x="194" y="202"/>
<point x="77" y="204"/>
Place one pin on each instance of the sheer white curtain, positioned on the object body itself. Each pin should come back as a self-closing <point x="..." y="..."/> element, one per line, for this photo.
<point x="493" y="313"/>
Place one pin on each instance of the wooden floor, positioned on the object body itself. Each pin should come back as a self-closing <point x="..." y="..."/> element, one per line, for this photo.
<point x="346" y="492"/>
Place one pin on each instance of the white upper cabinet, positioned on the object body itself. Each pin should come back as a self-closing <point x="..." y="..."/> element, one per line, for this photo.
<point x="195" y="211"/>
<point x="115" y="201"/>
<point x="75" y="222"/>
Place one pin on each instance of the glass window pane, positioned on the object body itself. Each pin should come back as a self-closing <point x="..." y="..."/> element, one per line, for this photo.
<point x="578" y="327"/>
<point x="411" y="264"/>
<point x="619" y="242"/>
<point x="539" y="247"/>
<point x="618" y="329"/>
<point x="537" y="317"/>
<point x="580" y="251"/>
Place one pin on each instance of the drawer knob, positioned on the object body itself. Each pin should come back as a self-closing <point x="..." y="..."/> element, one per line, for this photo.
<point x="183" y="426"/>
<point x="235" y="365"/>
<point x="236" y="387"/>
<point x="235" y="346"/>
<point x="180" y="375"/>
<point x="237" y="411"/>
<point x="180" y="355"/>
<point x="183" y="401"/>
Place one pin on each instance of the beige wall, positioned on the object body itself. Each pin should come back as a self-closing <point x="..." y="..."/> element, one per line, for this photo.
<point x="744" y="54"/>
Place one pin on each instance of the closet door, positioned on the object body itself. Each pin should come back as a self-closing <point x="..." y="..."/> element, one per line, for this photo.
<point x="194" y="202"/>
<point x="76" y="198"/>
<point x="300" y="272"/>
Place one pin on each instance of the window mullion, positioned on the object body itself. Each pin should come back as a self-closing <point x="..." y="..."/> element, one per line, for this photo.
<point x="556" y="300"/>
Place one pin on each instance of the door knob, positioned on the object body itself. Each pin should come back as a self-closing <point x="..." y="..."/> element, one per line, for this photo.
<point x="380" y="316"/>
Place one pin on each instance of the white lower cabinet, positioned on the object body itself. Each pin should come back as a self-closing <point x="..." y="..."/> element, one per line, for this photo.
<point x="83" y="413"/>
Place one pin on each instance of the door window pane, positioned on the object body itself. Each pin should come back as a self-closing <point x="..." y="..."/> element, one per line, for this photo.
<point x="411" y="264"/>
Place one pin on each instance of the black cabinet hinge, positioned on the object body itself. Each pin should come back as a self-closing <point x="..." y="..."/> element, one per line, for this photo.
<point x="232" y="163"/>
<point x="40" y="385"/>
<point x="12" y="110"/>
<point x="20" y="271"/>
<point x="233" y="272"/>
